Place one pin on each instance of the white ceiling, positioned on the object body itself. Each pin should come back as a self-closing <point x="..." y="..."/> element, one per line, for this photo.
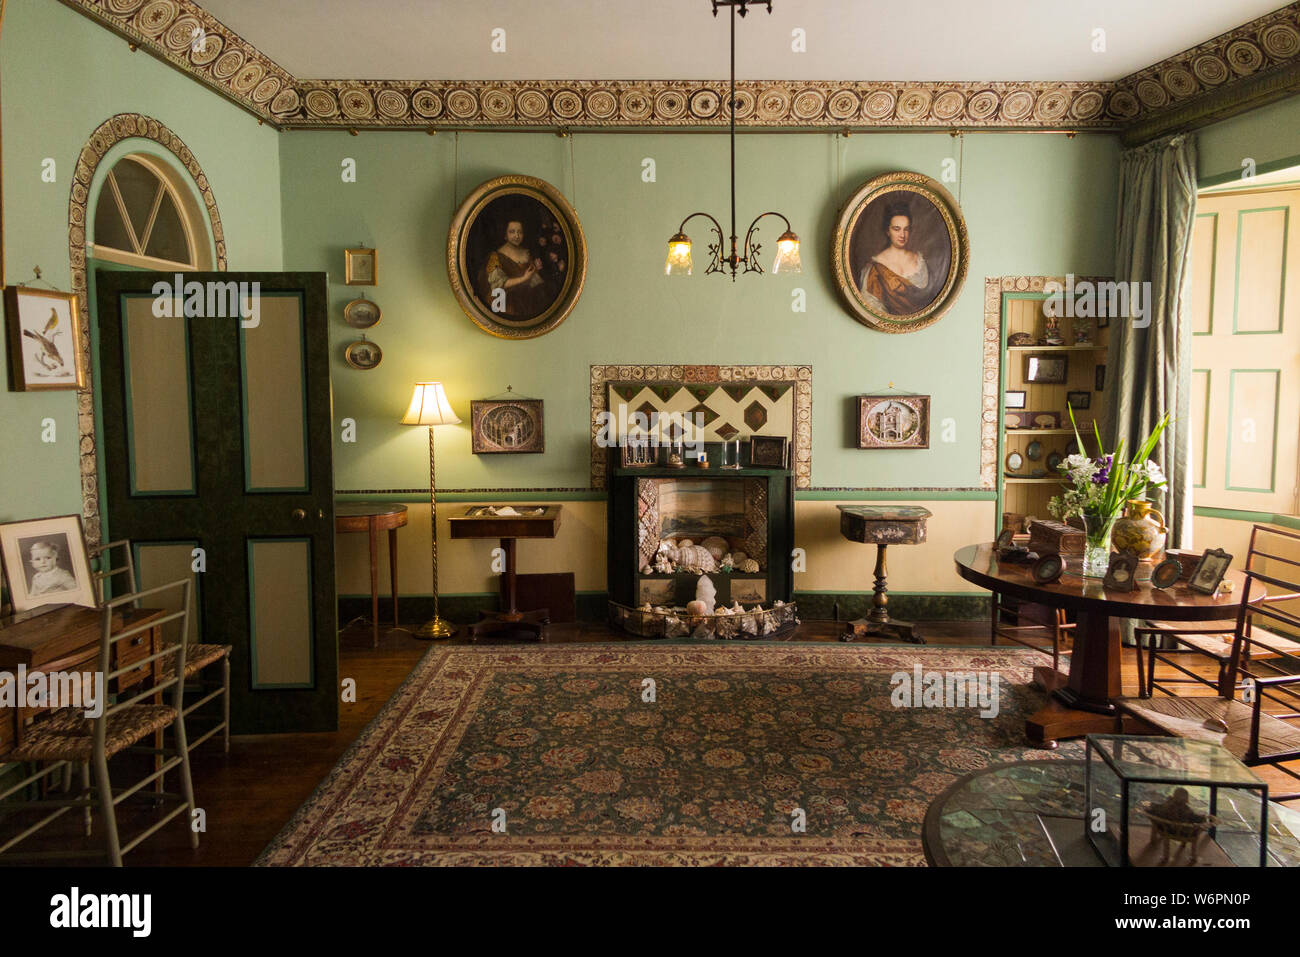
<point x="680" y="39"/>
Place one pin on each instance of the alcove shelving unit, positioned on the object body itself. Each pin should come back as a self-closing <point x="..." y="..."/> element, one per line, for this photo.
<point x="1026" y="491"/>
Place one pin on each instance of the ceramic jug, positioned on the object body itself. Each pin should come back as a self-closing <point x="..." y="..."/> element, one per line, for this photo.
<point x="1141" y="531"/>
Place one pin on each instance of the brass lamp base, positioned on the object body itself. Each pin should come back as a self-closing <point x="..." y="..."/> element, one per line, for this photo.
<point x="435" y="628"/>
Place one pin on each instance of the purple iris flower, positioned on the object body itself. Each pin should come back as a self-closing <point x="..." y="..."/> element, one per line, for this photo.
<point x="1103" y="463"/>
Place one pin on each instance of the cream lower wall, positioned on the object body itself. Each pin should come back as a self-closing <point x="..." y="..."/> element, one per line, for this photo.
<point x="833" y="564"/>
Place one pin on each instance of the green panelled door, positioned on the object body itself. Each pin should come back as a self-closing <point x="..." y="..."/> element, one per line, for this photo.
<point x="216" y="437"/>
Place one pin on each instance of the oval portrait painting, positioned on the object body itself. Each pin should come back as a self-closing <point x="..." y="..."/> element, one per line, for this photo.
<point x="516" y="257"/>
<point x="900" y="252"/>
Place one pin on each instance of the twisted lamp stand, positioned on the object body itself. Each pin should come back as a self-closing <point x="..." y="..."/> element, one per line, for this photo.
<point x="435" y="627"/>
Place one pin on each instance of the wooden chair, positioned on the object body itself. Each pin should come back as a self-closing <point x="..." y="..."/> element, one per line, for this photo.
<point x="1049" y="626"/>
<point x="1267" y="661"/>
<point x="66" y="737"/>
<point x="198" y="656"/>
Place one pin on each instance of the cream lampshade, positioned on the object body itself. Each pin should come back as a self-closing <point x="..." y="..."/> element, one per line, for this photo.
<point x="429" y="407"/>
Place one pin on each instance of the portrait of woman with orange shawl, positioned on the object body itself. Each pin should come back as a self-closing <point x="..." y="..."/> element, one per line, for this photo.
<point x="897" y="279"/>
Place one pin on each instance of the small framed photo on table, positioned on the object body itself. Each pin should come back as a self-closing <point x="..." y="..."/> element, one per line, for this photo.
<point x="361" y="267"/>
<point x="46" y="564"/>
<point x="1210" y="571"/>
<point x="44" y="339"/>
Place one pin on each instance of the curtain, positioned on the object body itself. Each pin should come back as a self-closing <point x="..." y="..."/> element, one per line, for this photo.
<point x="1149" y="370"/>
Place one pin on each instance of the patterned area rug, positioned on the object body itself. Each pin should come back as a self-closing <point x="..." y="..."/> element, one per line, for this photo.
<point x="554" y="755"/>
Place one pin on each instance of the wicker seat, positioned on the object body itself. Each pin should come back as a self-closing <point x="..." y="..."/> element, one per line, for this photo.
<point x="69" y="735"/>
<point x="1266" y="661"/>
<point x="198" y="657"/>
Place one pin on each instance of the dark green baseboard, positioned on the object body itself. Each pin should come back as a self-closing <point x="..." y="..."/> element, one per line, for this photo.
<point x="592" y="606"/>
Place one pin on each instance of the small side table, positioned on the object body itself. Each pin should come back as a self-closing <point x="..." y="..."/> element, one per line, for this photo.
<point x="882" y="527"/>
<point x="372" y="518"/>
<point x="532" y="521"/>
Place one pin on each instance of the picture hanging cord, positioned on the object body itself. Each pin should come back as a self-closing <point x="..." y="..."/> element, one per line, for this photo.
<point x="44" y="282"/>
<point x="455" y="173"/>
<point x="573" y="175"/>
<point x="510" y="393"/>
<point x="893" y="390"/>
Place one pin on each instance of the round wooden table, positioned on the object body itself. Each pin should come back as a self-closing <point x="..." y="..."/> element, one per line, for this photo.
<point x="372" y="518"/>
<point x="1082" y="700"/>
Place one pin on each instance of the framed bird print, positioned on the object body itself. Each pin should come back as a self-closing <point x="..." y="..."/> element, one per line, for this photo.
<point x="44" y="339"/>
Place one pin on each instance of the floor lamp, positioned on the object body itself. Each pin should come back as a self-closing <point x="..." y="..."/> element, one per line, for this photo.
<point x="429" y="407"/>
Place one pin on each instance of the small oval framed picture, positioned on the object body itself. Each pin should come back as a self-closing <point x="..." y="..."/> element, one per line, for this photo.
<point x="1015" y="461"/>
<point x="899" y="252"/>
<point x="361" y="313"/>
<point x="1048" y="569"/>
<point x="516" y="257"/>
<point x="1166" y="573"/>
<point x="363" y="355"/>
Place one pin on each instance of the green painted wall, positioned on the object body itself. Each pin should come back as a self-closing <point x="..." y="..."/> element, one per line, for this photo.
<point x="1269" y="135"/>
<point x="1033" y="204"/>
<point x="62" y="75"/>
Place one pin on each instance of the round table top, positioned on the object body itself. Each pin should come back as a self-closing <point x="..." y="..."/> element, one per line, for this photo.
<point x="1073" y="592"/>
<point x="998" y="817"/>
<point x="367" y="509"/>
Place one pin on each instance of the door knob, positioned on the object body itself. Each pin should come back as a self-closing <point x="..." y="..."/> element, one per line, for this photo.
<point x="299" y="514"/>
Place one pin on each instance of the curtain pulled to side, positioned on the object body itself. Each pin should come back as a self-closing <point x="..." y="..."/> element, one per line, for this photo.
<point x="1149" y="360"/>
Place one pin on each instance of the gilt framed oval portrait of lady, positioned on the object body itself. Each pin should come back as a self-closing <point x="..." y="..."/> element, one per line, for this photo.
<point x="900" y="252"/>
<point x="516" y="257"/>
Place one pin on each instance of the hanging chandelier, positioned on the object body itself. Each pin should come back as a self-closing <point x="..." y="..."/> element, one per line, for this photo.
<point x="741" y="258"/>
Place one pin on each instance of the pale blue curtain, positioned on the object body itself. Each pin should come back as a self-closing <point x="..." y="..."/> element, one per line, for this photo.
<point x="1149" y="370"/>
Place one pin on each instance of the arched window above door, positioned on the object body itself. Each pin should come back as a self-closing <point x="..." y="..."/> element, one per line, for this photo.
<point x="146" y="217"/>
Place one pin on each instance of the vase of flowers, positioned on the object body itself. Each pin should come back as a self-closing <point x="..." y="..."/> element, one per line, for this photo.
<point x="1098" y="488"/>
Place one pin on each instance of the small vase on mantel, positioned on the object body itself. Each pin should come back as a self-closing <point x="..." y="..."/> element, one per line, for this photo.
<point x="1097" y="528"/>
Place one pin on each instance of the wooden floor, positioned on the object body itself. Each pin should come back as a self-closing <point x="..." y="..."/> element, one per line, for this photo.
<point x="251" y="793"/>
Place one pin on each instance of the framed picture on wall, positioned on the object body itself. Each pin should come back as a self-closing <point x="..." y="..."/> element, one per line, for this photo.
<point x="1078" y="400"/>
<point x="44" y="330"/>
<point x="1015" y="399"/>
<point x="507" y="425"/>
<point x="361" y="267"/>
<point x="768" y="451"/>
<point x="899" y="252"/>
<point x="893" y="421"/>
<point x="1046" y="369"/>
<point x="46" y="564"/>
<point x="516" y="257"/>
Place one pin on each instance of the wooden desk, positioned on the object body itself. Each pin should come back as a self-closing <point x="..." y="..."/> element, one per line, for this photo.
<point x="534" y="521"/>
<point x="1081" y="701"/>
<point x="67" y="640"/>
<point x="882" y="526"/>
<point x="372" y="518"/>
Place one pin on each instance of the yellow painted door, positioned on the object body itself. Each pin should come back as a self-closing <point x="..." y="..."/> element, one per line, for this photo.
<point x="1245" y="307"/>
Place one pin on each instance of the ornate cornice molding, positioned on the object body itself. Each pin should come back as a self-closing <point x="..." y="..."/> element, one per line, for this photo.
<point x="1245" y="67"/>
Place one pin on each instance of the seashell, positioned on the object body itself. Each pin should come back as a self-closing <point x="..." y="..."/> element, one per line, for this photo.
<point x="749" y="566"/>
<point x="696" y="558"/>
<point x="646" y="607"/>
<point x="646" y="569"/>
<point x="661" y="610"/>
<point x="717" y="546"/>
<point x="722" y="610"/>
<point x="756" y="610"/>
<point x="685" y="543"/>
<point x="697" y="608"/>
<point x="738" y="557"/>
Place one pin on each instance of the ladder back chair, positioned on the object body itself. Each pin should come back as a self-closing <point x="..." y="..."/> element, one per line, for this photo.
<point x="199" y="657"/>
<point x="67" y="736"/>
<point x="1262" y="663"/>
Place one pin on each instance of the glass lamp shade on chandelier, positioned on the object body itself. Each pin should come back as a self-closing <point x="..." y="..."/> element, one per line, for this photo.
<point x="429" y="407"/>
<point x="744" y="258"/>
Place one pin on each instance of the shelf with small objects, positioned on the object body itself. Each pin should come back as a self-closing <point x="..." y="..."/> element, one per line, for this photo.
<point x="1051" y="361"/>
<point x="671" y="529"/>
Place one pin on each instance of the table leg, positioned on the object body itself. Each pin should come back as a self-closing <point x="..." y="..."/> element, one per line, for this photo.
<point x="374" y="581"/>
<point x="392" y="569"/>
<point x="510" y="618"/>
<point x="878" y="621"/>
<point x="1083" y="705"/>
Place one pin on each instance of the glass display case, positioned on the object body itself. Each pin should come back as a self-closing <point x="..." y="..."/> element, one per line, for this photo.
<point x="1152" y="802"/>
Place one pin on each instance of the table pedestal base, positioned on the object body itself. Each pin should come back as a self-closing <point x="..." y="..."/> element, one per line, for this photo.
<point x="890" y="628"/>
<point x="505" y="622"/>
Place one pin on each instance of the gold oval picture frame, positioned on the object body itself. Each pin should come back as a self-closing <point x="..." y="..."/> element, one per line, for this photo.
<point x="900" y="252"/>
<point x="516" y="257"/>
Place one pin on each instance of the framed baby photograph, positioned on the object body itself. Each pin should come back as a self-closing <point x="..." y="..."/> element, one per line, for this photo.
<point x="45" y="563"/>
<point x="44" y="339"/>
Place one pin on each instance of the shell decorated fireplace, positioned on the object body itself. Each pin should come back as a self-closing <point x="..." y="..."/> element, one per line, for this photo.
<point x="667" y="527"/>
